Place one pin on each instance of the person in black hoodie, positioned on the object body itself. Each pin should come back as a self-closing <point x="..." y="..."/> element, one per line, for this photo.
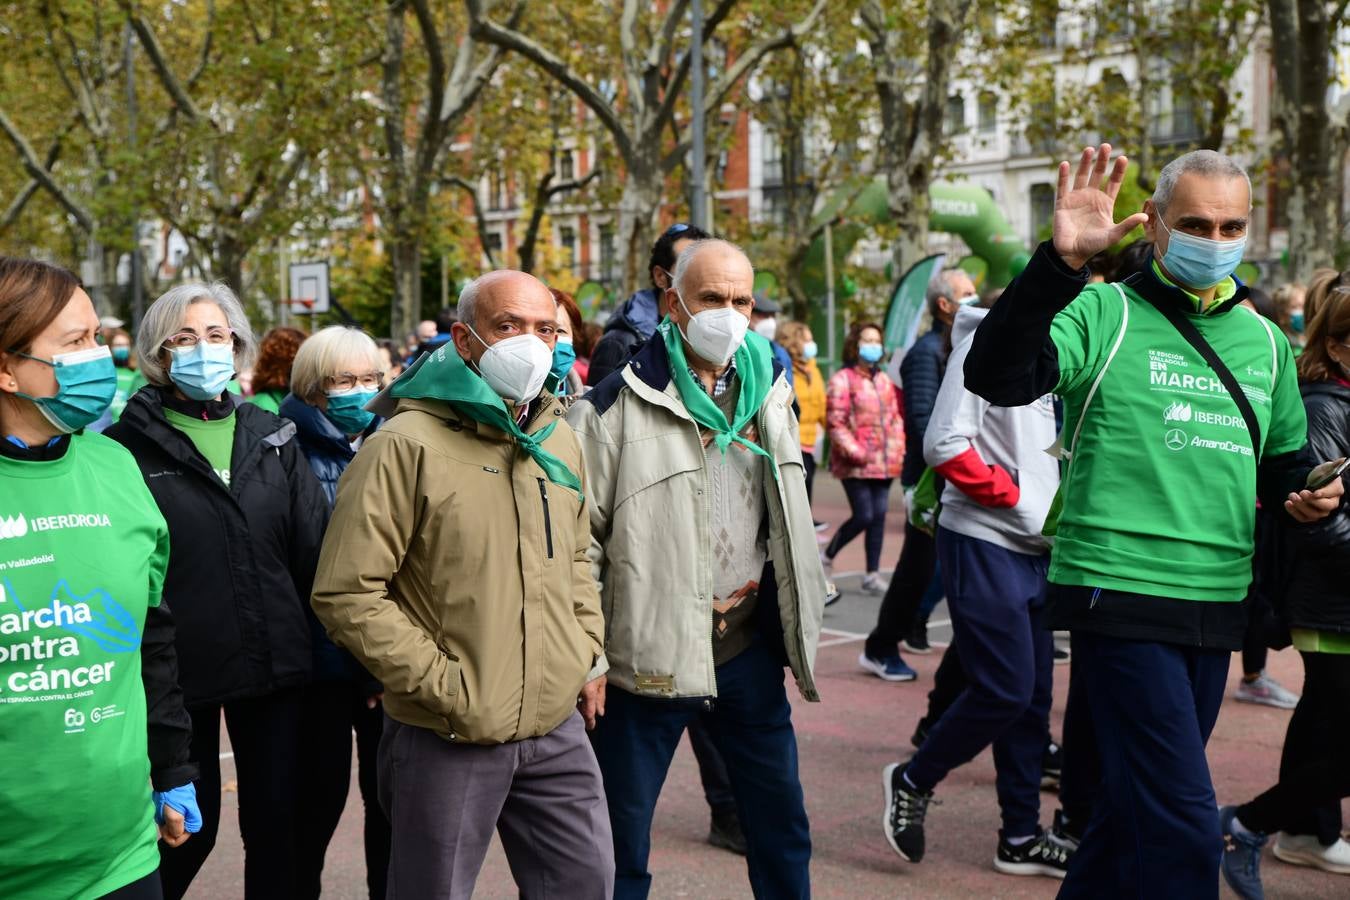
<point x="1316" y="607"/>
<point x="336" y="373"/>
<point x="246" y="519"/>
<point x="637" y="317"/>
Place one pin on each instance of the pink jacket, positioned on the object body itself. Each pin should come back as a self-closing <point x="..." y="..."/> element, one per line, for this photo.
<point x="867" y="433"/>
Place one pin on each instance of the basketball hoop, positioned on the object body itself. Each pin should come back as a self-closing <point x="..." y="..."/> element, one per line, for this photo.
<point x="307" y="303"/>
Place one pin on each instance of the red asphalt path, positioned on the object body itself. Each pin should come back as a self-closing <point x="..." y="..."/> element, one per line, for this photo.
<point x="861" y="725"/>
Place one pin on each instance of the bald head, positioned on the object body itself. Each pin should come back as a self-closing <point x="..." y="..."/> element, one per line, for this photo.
<point x="503" y="304"/>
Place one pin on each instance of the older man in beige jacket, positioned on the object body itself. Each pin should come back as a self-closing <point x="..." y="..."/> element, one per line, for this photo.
<point x="712" y="583"/>
<point x="455" y="570"/>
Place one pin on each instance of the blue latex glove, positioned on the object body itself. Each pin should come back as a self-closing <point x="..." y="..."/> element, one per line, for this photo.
<point x="184" y="800"/>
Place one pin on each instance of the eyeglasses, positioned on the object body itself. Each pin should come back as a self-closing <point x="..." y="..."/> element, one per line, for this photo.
<point x="347" y="381"/>
<point x="186" y="340"/>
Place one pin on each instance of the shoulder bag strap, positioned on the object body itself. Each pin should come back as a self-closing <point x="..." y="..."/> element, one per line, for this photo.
<point x="1193" y="337"/>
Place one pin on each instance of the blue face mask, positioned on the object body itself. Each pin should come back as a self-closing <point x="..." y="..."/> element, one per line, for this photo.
<point x="809" y="350"/>
<point x="564" y="357"/>
<point x="347" y="411"/>
<point x="1296" y="321"/>
<point x="1200" y="263"/>
<point x="870" y="353"/>
<point x="203" y="371"/>
<point x="85" y="384"/>
<point x="121" y="355"/>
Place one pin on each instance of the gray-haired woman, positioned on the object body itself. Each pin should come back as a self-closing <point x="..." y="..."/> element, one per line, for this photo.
<point x="246" y="518"/>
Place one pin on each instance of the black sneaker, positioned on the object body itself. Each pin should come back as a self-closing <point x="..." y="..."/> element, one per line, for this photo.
<point x="1052" y="766"/>
<point x="920" y="734"/>
<point x="1042" y="855"/>
<point x="917" y="639"/>
<point x="725" y="831"/>
<point x="905" y="811"/>
<point x="1067" y="832"/>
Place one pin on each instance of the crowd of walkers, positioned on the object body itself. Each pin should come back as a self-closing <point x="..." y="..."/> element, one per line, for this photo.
<point x="513" y="559"/>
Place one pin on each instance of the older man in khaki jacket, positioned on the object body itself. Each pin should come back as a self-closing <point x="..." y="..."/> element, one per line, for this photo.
<point x="712" y="583"/>
<point x="455" y="570"/>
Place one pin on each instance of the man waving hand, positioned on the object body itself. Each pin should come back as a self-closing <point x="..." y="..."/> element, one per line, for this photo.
<point x="1181" y="408"/>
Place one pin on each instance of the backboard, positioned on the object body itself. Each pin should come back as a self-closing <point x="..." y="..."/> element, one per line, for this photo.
<point x="309" y="287"/>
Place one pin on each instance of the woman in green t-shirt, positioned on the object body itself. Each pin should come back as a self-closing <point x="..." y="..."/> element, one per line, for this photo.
<point x="92" y="726"/>
<point x="272" y="372"/>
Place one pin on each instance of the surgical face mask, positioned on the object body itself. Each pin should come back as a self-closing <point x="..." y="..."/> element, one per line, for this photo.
<point x="870" y="353"/>
<point x="968" y="300"/>
<point x="85" y="384"/>
<point x="347" y="410"/>
<point x="1296" y="321"/>
<point x="202" y="371"/>
<point x="121" y="355"/>
<point x="810" y="350"/>
<point x="715" y="334"/>
<point x="1198" y="262"/>
<point x="767" y="328"/>
<point x="564" y="357"/>
<point x="515" y="367"/>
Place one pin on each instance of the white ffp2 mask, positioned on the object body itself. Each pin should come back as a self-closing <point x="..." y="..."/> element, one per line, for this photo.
<point x="515" y="367"/>
<point x="715" y="334"/>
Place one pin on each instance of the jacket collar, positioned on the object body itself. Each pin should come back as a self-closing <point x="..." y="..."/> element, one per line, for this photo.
<point x="640" y="314"/>
<point x="1331" y="388"/>
<point x="546" y="410"/>
<point x="648" y="375"/>
<point x="1148" y="285"/>
<point x="316" y="431"/>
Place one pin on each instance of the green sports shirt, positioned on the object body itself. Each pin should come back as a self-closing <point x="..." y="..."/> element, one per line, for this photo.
<point x="1159" y="497"/>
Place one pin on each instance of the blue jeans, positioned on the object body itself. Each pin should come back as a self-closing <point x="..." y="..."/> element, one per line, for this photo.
<point x="750" y="722"/>
<point x="1154" y="830"/>
<point x="867" y="502"/>
<point x="995" y="596"/>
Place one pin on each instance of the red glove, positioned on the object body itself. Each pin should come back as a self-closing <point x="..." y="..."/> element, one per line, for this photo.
<point x="987" y="485"/>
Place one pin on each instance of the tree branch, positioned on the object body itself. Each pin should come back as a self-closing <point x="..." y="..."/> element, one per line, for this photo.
<point x="675" y="86"/>
<point x="480" y="220"/>
<point x="167" y="79"/>
<point x="507" y="38"/>
<point x="205" y="57"/>
<point x="43" y="176"/>
<point x="752" y="56"/>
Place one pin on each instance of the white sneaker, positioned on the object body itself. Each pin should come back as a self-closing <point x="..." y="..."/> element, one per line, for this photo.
<point x="1304" y="850"/>
<point x="1268" y="692"/>
<point x="873" y="584"/>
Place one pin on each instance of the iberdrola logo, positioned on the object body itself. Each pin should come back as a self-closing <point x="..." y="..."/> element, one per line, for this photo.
<point x="1177" y="412"/>
<point x="13" y="527"/>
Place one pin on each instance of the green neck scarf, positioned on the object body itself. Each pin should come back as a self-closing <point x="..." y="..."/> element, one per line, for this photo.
<point x="442" y="375"/>
<point x="754" y="368"/>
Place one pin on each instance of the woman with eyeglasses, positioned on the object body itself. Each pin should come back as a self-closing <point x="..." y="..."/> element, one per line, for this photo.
<point x="246" y="518"/>
<point x="335" y="374"/>
<point x="93" y="733"/>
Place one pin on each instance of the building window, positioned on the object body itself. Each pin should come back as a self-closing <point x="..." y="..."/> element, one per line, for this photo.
<point x="607" y="254"/>
<point x="567" y="166"/>
<point x="567" y="238"/>
<point x="1042" y="209"/>
<point x="494" y="245"/>
<point x="955" y="118"/>
<point x="774" y="205"/>
<point x="772" y="162"/>
<point x="496" y="190"/>
<point x="988" y="111"/>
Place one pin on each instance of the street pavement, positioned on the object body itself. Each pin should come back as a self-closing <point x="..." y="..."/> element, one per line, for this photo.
<point x="861" y="725"/>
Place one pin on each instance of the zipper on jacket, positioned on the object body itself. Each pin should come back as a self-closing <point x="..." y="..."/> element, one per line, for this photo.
<point x="548" y="519"/>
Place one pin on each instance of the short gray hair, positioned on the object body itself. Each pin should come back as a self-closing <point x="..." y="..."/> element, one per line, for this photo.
<point x="466" y="310"/>
<point x="693" y="250"/>
<point x="941" y="285"/>
<point x="1206" y="163"/>
<point x="324" y="354"/>
<point x="164" y="319"/>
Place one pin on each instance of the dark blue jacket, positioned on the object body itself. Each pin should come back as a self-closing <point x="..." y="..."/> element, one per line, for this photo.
<point x="328" y="452"/>
<point x="920" y="377"/>
<point x="632" y="323"/>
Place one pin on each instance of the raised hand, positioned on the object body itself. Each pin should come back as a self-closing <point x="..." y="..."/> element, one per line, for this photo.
<point x="1084" y="212"/>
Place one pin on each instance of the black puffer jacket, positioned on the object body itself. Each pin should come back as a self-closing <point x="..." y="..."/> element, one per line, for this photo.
<point x="242" y="558"/>
<point x="1318" y="595"/>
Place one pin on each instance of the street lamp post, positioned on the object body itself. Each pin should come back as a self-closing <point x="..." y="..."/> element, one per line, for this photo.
<point x="698" y="204"/>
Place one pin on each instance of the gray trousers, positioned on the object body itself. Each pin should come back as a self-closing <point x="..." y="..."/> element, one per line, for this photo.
<point x="543" y="795"/>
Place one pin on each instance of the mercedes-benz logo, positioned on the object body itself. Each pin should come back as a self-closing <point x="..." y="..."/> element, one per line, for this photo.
<point x="1176" y="439"/>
